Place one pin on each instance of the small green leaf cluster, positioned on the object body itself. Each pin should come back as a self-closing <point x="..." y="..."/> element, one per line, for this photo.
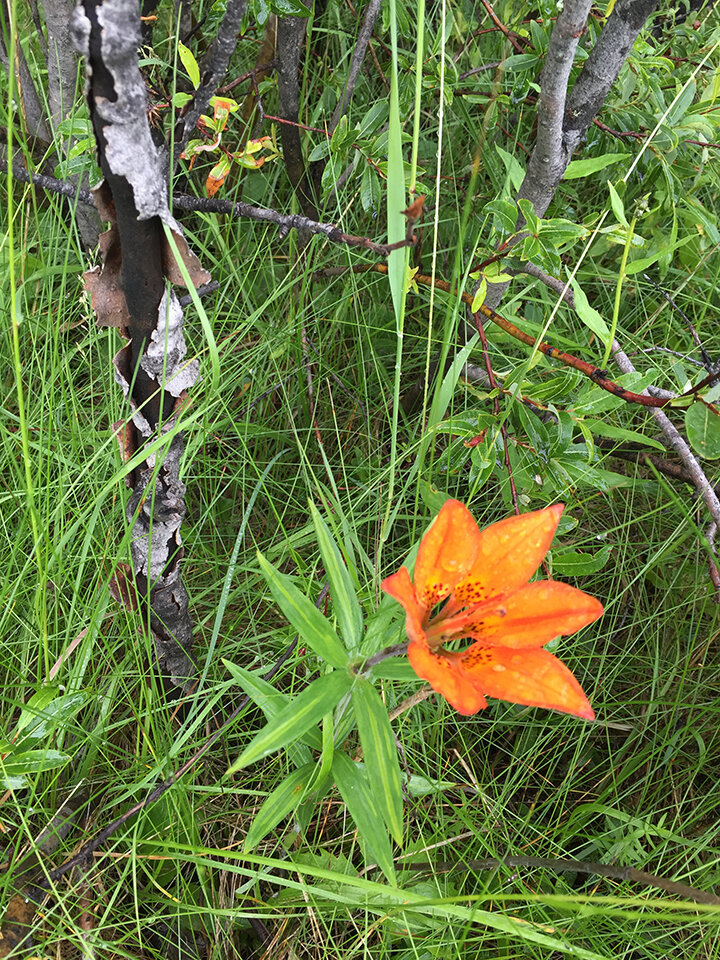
<point x="26" y="752"/>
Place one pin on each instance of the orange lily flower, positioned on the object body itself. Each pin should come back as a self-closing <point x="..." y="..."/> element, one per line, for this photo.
<point x="481" y="579"/>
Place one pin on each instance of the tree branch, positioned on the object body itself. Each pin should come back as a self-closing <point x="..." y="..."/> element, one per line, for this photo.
<point x="563" y="119"/>
<point x="601" y="69"/>
<point x="290" y="36"/>
<point x="676" y="442"/>
<point x="214" y="205"/>
<point x="371" y="12"/>
<point x="549" y="157"/>
<point x="594" y="373"/>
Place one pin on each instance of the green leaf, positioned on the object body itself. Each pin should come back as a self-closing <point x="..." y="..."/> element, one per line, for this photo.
<point x="594" y="477"/>
<point x="480" y="294"/>
<point x="531" y="249"/>
<point x="678" y="110"/>
<point x="304" y="616"/>
<point x="604" y="429"/>
<point x="302" y="713"/>
<point x="513" y="167"/>
<point x="532" y="221"/>
<point x="380" y="754"/>
<point x="190" y="63"/>
<point x="362" y="806"/>
<point x="505" y="214"/>
<point x="370" y="192"/>
<point x="577" y="169"/>
<point x="590" y="317"/>
<point x="521" y="61"/>
<point x="320" y="151"/>
<point x="636" y="266"/>
<point x="617" y="204"/>
<point x="559" y="231"/>
<point x="703" y="430"/>
<point x="574" y="563"/>
<point x="279" y="804"/>
<point x="342" y="588"/>
<point x="180" y="99"/>
<point x="271" y="701"/>
<point x="45" y="709"/>
<point x="15" y="768"/>
<point x="339" y="133"/>
<point x="395" y="669"/>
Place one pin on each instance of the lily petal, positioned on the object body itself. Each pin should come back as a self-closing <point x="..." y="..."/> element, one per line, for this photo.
<point x="447" y="677"/>
<point x="534" y="615"/>
<point x="508" y="554"/>
<point x="400" y="587"/>
<point x="532" y="677"/>
<point x="446" y="554"/>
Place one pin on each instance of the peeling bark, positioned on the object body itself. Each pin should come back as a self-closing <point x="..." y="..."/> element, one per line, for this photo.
<point x="129" y="292"/>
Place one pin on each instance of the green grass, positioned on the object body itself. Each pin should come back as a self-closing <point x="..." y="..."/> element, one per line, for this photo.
<point x="305" y="410"/>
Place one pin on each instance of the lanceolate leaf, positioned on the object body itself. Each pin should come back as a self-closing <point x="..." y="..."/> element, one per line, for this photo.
<point x="312" y="626"/>
<point x="302" y="713"/>
<point x="279" y="804"/>
<point x="342" y="590"/>
<point x="362" y="805"/>
<point x="190" y="63"/>
<point x="271" y="701"/>
<point x="15" y="768"/>
<point x="380" y="754"/>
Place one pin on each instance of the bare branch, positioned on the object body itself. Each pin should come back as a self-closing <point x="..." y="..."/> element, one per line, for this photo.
<point x="555" y="284"/>
<point x="373" y="8"/>
<point x="563" y="119"/>
<point x="290" y="36"/>
<point x="29" y="100"/>
<point x="286" y="222"/>
<point x="676" y="442"/>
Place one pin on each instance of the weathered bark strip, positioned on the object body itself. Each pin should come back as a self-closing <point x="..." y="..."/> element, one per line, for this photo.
<point x="130" y="293"/>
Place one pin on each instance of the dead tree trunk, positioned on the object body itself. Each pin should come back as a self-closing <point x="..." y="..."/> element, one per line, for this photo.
<point x="131" y="292"/>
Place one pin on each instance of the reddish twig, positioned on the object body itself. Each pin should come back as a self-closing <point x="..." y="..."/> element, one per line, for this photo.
<point x="514" y="38"/>
<point x="594" y="373"/>
<point x="250" y="75"/>
<point x="619" y="133"/>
